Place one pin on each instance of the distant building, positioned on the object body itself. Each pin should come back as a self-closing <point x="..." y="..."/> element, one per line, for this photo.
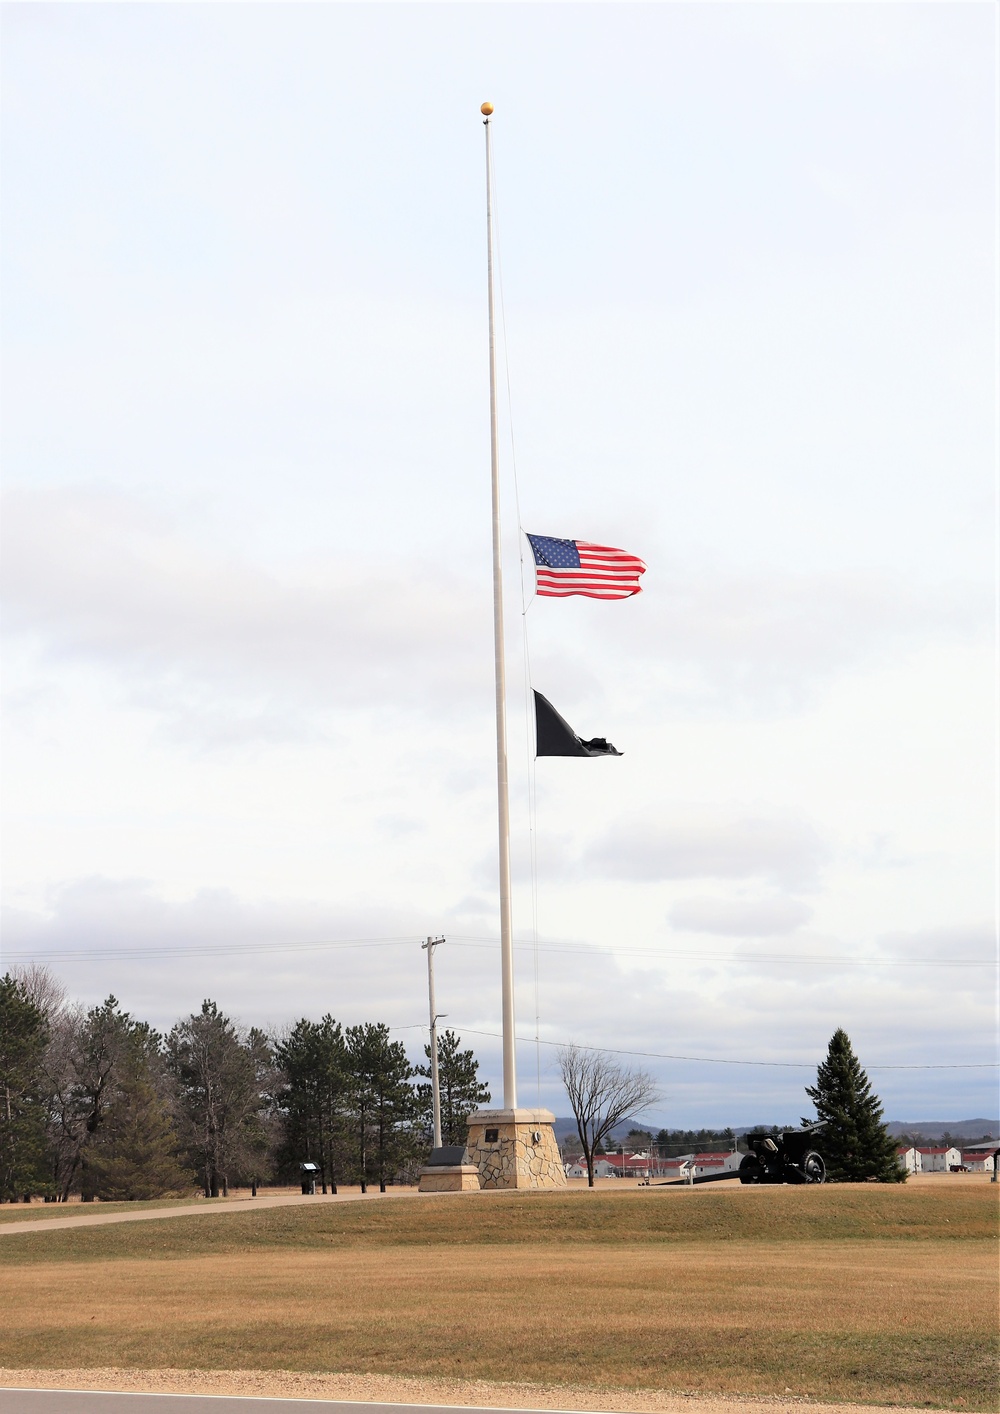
<point x="728" y="1161"/>
<point x="687" y="1166"/>
<point x="577" y="1168"/>
<point x="938" y="1160"/>
<point x="909" y="1158"/>
<point x="980" y="1160"/>
<point x="628" y="1165"/>
<point x="675" y="1167"/>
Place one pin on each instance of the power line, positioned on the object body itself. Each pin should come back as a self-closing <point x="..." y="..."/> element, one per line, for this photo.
<point x="204" y="949"/>
<point x="719" y="1060"/>
<point x="480" y="941"/>
<point x="471" y="1031"/>
<point x="667" y="955"/>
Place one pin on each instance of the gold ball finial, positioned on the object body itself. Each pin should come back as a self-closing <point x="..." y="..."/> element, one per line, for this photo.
<point x="486" y="109"/>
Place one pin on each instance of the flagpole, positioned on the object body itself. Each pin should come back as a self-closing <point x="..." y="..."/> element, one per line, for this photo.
<point x="503" y="801"/>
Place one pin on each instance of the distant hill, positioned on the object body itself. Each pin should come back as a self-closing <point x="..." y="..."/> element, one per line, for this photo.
<point x="565" y="1128"/>
<point x="934" y="1128"/>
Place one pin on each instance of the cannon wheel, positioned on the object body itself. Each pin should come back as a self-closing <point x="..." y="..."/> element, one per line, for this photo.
<point x="751" y="1170"/>
<point x="812" y="1169"/>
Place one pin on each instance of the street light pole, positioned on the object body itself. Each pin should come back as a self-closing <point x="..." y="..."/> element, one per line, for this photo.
<point x="430" y="945"/>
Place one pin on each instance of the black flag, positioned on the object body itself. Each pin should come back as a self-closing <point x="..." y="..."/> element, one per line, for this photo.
<point x="555" y="737"/>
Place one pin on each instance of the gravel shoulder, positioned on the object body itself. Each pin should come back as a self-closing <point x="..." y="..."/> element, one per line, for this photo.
<point x="397" y="1389"/>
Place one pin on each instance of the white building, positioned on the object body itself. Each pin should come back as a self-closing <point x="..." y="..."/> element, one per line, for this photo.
<point x="936" y="1160"/>
<point x="979" y="1160"/>
<point x="909" y="1158"/>
<point x="688" y="1166"/>
<point x="602" y="1169"/>
<point x="715" y="1165"/>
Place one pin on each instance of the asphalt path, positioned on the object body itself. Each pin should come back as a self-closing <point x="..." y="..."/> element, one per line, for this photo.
<point x="61" y="1401"/>
<point x="228" y="1205"/>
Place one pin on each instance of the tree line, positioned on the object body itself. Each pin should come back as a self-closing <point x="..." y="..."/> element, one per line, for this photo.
<point x="944" y="1140"/>
<point x="681" y="1140"/>
<point x="855" y="1142"/>
<point x="95" y="1102"/>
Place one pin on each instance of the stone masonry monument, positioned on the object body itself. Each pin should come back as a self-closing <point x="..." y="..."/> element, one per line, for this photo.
<point x="515" y="1149"/>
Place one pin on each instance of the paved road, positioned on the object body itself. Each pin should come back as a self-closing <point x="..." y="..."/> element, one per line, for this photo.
<point x="53" y="1401"/>
<point x="228" y="1205"/>
<point x="58" y="1401"/>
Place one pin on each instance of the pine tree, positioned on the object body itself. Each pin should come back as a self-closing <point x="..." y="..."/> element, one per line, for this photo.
<point x="382" y="1101"/>
<point x="855" y="1143"/>
<point x="313" y="1097"/>
<point x="461" y="1089"/>
<point x="23" y="1037"/>
<point x="135" y="1154"/>
<point x="224" y="1081"/>
<point x="102" y="1049"/>
<point x="112" y="1126"/>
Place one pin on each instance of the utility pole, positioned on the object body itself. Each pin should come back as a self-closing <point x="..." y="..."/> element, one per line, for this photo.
<point x="430" y="945"/>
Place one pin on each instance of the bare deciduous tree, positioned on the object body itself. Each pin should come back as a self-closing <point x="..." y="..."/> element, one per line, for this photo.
<point x="602" y="1092"/>
<point x="42" y="988"/>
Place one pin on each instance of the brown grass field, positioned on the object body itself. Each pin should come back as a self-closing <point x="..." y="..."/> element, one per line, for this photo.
<point x="864" y="1294"/>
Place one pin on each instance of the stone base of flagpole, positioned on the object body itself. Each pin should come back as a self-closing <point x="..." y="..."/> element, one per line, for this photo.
<point x="515" y="1149"/>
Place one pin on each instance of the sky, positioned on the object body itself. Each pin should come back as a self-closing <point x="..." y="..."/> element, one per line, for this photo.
<point x="748" y="332"/>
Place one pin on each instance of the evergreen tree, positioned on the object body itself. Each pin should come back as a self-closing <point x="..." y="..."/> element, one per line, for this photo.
<point x="23" y="1109"/>
<point x="225" y="1085"/>
<point x="134" y="1156"/>
<point x="110" y="1091"/>
<point x="461" y="1089"/>
<point x="383" y="1101"/>
<point x="314" y="1096"/>
<point x="109" y="1048"/>
<point x="855" y="1143"/>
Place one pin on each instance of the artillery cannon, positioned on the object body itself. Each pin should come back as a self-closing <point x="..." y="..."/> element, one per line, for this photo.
<point x="784" y="1158"/>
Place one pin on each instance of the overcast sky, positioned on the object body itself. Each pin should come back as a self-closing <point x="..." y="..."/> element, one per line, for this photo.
<point x="749" y="292"/>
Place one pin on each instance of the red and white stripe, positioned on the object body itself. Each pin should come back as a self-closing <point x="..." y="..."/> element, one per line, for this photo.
<point x="604" y="573"/>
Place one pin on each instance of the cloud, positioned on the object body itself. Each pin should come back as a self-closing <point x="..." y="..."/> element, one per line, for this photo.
<point x="267" y="960"/>
<point x="260" y="961"/>
<point x="97" y="578"/>
<point x="750" y="918"/>
<point x="970" y="942"/>
<point x="783" y="851"/>
<point x="764" y="641"/>
<point x="229" y="652"/>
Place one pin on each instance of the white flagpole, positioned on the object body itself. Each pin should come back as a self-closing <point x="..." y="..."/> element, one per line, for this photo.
<point x="503" y="803"/>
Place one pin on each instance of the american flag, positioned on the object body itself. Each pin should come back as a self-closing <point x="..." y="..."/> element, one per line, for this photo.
<point x="564" y="567"/>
